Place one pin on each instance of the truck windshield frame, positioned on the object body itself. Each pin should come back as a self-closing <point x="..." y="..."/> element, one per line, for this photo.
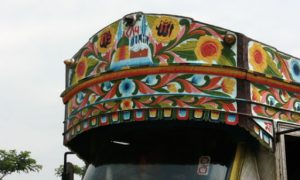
<point x="173" y="155"/>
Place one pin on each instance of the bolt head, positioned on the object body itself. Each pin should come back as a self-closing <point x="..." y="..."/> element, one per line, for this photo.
<point x="69" y="62"/>
<point x="229" y="39"/>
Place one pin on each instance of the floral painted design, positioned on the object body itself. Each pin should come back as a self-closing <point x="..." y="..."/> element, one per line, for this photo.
<point x="275" y="113"/>
<point x="195" y="43"/>
<point x="297" y="106"/>
<point x="154" y="41"/>
<point x="151" y="80"/>
<point x="74" y="126"/>
<point x="126" y="104"/>
<point x="208" y="49"/>
<point x="80" y="97"/>
<point x="275" y="103"/>
<point x="161" y="84"/>
<point x="258" y="58"/>
<point x="269" y="61"/>
<point x="83" y="67"/>
<point x="295" y="69"/>
<point x="127" y="87"/>
<point x="173" y="87"/>
<point x="107" y="86"/>
<point x="228" y="85"/>
<point x="255" y="94"/>
<point x="158" y="101"/>
<point x="197" y="80"/>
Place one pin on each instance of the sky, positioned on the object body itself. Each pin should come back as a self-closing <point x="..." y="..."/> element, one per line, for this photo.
<point x="36" y="36"/>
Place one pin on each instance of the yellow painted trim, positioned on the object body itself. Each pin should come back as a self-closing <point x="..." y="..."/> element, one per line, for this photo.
<point x="238" y="162"/>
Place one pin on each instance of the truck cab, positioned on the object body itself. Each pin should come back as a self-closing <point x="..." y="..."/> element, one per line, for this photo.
<point x="156" y="96"/>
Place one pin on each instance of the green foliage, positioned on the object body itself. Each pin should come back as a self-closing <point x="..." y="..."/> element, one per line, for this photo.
<point x="11" y="161"/>
<point x="77" y="170"/>
<point x="228" y="56"/>
<point x="216" y="93"/>
<point x="188" y="55"/>
<point x="186" y="46"/>
<point x="272" y="68"/>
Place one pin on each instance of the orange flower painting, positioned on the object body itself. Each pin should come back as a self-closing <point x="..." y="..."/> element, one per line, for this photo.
<point x="257" y="57"/>
<point x="208" y="49"/>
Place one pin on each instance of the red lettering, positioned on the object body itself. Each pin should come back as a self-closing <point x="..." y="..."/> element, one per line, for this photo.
<point x="132" y="31"/>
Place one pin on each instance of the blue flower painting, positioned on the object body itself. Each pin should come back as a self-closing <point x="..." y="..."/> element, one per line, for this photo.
<point x="295" y="70"/>
<point x="151" y="80"/>
<point x="127" y="87"/>
<point x="197" y="80"/>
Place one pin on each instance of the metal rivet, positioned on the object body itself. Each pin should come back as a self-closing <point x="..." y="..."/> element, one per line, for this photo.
<point x="69" y="62"/>
<point x="229" y="39"/>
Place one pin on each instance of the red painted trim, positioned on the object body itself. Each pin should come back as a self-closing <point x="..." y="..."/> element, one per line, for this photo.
<point x="273" y="83"/>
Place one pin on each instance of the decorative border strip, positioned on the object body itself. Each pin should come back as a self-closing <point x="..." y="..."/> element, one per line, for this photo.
<point x="267" y="60"/>
<point x="166" y="114"/>
<point x="150" y="102"/>
<point x="236" y="73"/>
<point x="275" y="97"/>
<point x="261" y="132"/>
<point x="275" y="113"/>
<point x="153" y="91"/>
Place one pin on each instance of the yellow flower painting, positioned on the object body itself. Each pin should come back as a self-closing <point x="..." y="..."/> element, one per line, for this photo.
<point x="208" y="49"/>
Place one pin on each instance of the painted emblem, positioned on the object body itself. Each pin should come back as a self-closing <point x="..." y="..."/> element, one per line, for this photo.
<point x="132" y="45"/>
<point x="165" y="29"/>
<point x="105" y="39"/>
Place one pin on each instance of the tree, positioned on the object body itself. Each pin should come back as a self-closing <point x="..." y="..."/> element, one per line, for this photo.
<point x="77" y="170"/>
<point x="11" y="161"/>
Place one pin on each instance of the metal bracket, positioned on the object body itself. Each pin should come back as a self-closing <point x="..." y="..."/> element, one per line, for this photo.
<point x="287" y="131"/>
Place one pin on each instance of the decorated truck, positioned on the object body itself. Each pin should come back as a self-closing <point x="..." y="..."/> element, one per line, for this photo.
<point x="164" y="97"/>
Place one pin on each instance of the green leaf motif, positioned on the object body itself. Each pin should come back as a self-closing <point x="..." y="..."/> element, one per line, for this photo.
<point x="91" y="65"/>
<point x="188" y="98"/>
<point x="216" y="93"/>
<point x="261" y="86"/>
<point x="224" y="61"/>
<point x="95" y="39"/>
<point x="228" y="57"/>
<point x="151" y="49"/>
<point x="284" y="56"/>
<point x="165" y="105"/>
<point x="187" y="55"/>
<point x="144" y="99"/>
<point x="171" y="57"/>
<point x="208" y="106"/>
<point x="165" y="48"/>
<point x="185" y="76"/>
<point x="186" y="46"/>
<point x="185" y="22"/>
<point x="207" y="81"/>
<point x="162" y="90"/>
<point x="270" y="51"/>
<point x="272" y="69"/>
